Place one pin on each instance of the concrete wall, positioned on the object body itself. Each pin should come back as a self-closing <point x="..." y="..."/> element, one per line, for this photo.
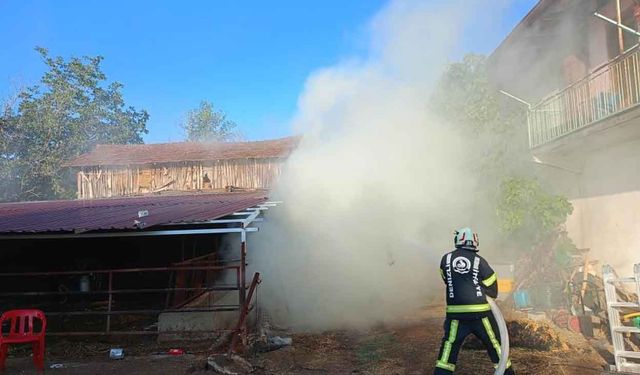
<point x="606" y="199"/>
<point x="609" y="225"/>
<point x="598" y="51"/>
<point x="607" y="217"/>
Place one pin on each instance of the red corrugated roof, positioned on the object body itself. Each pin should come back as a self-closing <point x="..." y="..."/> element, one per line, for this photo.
<point x="120" y="213"/>
<point x="184" y="151"/>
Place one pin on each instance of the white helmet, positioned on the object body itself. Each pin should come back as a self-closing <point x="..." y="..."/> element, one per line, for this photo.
<point x="465" y="238"/>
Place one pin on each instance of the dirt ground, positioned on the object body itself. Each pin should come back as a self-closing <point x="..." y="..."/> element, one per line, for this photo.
<point x="407" y="348"/>
<point x="412" y="349"/>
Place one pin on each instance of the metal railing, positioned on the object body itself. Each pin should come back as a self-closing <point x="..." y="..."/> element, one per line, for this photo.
<point x="117" y="299"/>
<point x="609" y="89"/>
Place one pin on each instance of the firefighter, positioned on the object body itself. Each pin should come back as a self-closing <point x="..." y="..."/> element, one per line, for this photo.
<point x="468" y="280"/>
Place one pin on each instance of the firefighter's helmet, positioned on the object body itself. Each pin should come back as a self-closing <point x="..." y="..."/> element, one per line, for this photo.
<point x="465" y="238"/>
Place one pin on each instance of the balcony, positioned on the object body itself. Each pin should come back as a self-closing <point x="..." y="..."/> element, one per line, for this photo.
<point x="607" y="91"/>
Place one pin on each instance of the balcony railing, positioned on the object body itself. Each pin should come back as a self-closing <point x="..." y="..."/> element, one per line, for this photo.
<point x="609" y="89"/>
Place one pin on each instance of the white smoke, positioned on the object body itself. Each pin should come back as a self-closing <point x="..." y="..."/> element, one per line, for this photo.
<point x="377" y="186"/>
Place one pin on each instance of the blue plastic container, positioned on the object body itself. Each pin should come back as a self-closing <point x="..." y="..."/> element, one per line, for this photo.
<point x="521" y="298"/>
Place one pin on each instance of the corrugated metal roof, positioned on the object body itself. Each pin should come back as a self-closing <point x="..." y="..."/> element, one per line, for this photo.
<point x="120" y="213"/>
<point x="184" y="151"/>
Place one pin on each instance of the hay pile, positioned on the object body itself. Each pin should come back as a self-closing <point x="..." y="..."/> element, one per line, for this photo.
<point x="527" y="334"/>
<point x="538" y="335"/>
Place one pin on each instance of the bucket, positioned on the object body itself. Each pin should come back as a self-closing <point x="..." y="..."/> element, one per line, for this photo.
<point x="521" y="298"/>
<point x="505" y="273"/>
<point x="505" y="285"/>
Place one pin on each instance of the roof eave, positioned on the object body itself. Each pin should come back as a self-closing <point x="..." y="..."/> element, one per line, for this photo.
<point x="130" y="164"/>
<point x="534" y="13"/>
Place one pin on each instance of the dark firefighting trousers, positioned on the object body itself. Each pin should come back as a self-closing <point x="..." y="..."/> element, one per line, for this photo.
<point x="456" y="330"/>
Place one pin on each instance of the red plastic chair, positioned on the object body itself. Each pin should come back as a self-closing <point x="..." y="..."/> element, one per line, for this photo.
<point x="21" y="331"/>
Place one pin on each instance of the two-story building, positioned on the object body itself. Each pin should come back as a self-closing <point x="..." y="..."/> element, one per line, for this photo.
<point x="577" y="65"/>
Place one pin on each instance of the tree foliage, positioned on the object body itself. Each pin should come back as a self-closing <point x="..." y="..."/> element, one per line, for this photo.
<point x="70" y="111"/>
<point x="464" y="97"/>
<point x="527" y="211"/>
<point x="206" y="124"/>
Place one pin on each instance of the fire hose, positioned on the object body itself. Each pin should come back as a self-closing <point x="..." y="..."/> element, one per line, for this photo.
<point x="504" y="338"/>
<point x="631" y="316"/>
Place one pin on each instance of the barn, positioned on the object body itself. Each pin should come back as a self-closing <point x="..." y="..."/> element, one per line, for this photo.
<point x="157" y="243"/>
<point x="127" y="170"/>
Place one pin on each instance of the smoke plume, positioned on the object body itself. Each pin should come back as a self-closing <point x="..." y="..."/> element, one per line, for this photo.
<point x="377" y="185"/>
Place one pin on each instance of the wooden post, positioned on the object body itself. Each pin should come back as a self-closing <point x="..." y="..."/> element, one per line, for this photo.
<point x="585" y="275"/>
<point x="109" y="184"/>
<point x="79" y="182"/>
<point x="620" y="35"/>
<point x="90" y="186"/>
<point x="636" y="15"/>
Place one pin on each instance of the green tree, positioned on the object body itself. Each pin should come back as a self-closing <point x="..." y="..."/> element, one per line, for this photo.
<point x="205" y="123"/>
<point x="465" y="95"/>
<point x="6" y="157"/>
<point x="531" y="220"/>
<point x="465" y="98"/>
<point x="525" y="212"/>
<point x="70" y="111"/>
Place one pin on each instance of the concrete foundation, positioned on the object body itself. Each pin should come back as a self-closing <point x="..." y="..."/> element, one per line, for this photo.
<point x="198" y="325"/>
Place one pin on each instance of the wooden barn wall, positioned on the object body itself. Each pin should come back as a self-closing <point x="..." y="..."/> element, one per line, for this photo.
<point x="104" y="182"/>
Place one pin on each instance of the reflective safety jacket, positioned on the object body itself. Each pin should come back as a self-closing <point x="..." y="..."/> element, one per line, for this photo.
<point x="468" y="279"/>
